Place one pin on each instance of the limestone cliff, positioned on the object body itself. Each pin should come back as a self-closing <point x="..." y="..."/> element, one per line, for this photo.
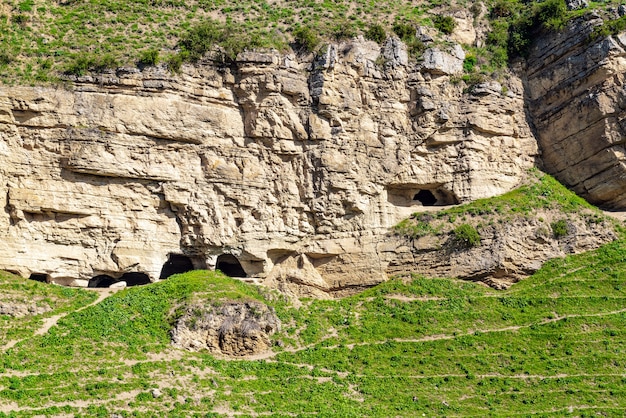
<point x="576" y="98"/>
<point x="296" y="167"/>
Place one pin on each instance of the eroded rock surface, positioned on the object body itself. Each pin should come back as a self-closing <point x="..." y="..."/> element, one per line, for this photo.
<point x="230" y="328"/>
<point x="576" y="98"/>
<point x="511" y="248"/>
<point x="18" y="309"/>
<point x="296" y="168"/>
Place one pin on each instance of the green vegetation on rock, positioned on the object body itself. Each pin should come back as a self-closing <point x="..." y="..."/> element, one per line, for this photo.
<point x="550" y="345"/>
<point x="542" y="192"/>
<point x="467" y="235"/>
<point x="44" y="39"/>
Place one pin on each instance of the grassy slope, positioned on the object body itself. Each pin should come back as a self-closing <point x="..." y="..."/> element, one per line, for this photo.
<point x="541" y="195"/>
<point x="41" y="39"/>
<point x="552" y="344"/>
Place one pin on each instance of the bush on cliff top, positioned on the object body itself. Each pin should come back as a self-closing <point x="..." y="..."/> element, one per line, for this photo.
<point x="60" y="31"/>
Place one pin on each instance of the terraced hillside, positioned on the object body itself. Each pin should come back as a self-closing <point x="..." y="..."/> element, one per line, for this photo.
<point x="551" y="345"/>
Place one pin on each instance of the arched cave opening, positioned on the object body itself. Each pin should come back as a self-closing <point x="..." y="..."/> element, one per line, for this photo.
<point x="175" y="264"/>
<point x="135" y="279"/>
<point x="39" y="277"/>
<point x="131" y="279"/>
<point x="230" y="266"/>
<point x="101" y="280"/>
<point x="426" y="198"/>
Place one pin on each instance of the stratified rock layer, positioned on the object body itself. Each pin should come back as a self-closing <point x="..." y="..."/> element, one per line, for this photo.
<point x="577" y="101"/>
<point x="229" y="328"/>
<point x="296" y="168"/>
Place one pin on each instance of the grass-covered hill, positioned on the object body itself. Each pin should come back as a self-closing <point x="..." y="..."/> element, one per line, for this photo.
<point x="42" y="40"/>
<point x="552" y="345"/>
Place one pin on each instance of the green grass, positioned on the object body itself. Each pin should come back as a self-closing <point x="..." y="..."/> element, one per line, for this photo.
<point x="55" y="300"/>
<point x="541" y="193"/>
<point x="42" y="39"/>
<point x="551" y="344"/>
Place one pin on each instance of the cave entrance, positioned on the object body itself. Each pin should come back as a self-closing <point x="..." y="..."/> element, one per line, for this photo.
<point x="131" y="279"/>
<point x="39" y="277"/>
<point x="101" y="280"/>
<point x="425" y="197"/>
<point x="175" y="264"/>
<point x="230" y="266"/>
<point x="135" y="279"/>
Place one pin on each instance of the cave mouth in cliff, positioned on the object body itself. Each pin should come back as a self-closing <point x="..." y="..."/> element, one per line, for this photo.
<point x="39" y="277"/>
<point x="135" y="279"/>
<point x="101" y="280"/>
<point x="425" y="197"/>
<point x="175" y="264"/>
<point x="131" y="279"/>
<point x="230" y="266"/>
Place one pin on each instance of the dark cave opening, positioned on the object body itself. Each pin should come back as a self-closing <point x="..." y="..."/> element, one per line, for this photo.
<point x="39" y="277"/>
<point x="131" y="279"/>
<point x="175" y="264"/>
<point x="135" y="279"/>
<point x="230" y="266"/>
<point x="426" y="198"/>
<point x="101" y="280"/>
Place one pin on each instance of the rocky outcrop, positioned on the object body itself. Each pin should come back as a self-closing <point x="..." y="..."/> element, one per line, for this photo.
<point x="229" y="328"/>
<point x="296" y="168"/>
<point x="18" y="309"/>
<point x="510" y="249"/>
<point x="576" y="100"/>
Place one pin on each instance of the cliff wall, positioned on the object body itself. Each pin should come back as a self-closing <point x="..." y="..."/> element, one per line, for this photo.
<point x="296" y="167"/>
<point x="576" y="98"/>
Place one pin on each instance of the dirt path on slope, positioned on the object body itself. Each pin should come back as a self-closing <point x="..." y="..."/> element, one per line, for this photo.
<point x="619" y="215"/>
<point x="53" y="320"/>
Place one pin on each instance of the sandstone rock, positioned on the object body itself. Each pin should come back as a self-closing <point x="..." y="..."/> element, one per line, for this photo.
<point x="297" y="173"/>
<point x="118" y="285"/>
<point x="437" y="61"/>
<point x="230" y="328"/>
<point x="576" y="4"/>
<point x="577" y="103"/>
<point x="423" y="34"/>
<point x="18" y="309"/>
<point x="509" y="251"/>
<point x="395" y="52"/>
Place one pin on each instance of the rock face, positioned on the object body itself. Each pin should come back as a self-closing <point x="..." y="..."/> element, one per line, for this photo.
<point x="18" y="309"/>
<point x="576" y="100"/>
<point x="297" y="169"/>
<point x="508" y="252"/>
<point x="233" y="328"/>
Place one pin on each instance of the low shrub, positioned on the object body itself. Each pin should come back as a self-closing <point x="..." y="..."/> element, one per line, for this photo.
<point x="175" y="62"/>
<point x="84" y="63"/>
<point x="307" y="38"/>
<point x="610" y="27"/>
<point x="200" y="39"/>
<point x="149" y="57"/>
<point x="376" y="33"/>
<point x="5" y="58"/>
<point x="345" y="30"/>
<point x="466" y="235"/>
<point x="404" y="31"/>
<point x="445" y="24"/>
<point x="551" y="14"/>
<point x="559" y="228"/>
<point x="469" y="63"/>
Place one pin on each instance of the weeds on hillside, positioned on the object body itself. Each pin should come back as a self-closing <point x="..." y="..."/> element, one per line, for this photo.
<point x="552" y="342"/>
<point x="542" y="192"/>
